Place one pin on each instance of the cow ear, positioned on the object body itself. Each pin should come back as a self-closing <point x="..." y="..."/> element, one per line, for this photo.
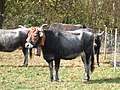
<point x="41" y="34"/>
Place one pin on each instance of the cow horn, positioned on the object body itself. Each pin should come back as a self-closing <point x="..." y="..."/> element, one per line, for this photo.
<point x="41" y="28"/>
<point x="99" y="34"/>
<point x="21" y="26"/>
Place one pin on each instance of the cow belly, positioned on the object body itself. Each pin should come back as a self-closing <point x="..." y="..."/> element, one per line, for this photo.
<point x="48" y="56"/>
<point x="9" y="47"/>
<point x="63" y="56"/>
<point x="70" y="56"/>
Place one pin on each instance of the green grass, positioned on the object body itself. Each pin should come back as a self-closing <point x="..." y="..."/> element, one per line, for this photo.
<point x="71" y="78"/>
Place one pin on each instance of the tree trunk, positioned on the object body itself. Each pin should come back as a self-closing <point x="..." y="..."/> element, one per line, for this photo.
<point x="2" y="9"/>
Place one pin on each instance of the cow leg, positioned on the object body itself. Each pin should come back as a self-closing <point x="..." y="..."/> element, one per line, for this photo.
<point x="87" y="67"/>
<point x="57" y="65"/>
<point x="83" y="56"/>
<point x="25" y="52"/>
<point x="51" y="69"/>
<point x="97" y="54"/>
<point x="38" y="51"/>
<point x="30" y="52"/>
<point x="86" y="61"/>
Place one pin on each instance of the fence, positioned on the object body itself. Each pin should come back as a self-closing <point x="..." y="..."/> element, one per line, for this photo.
<point x="110" y="45"/>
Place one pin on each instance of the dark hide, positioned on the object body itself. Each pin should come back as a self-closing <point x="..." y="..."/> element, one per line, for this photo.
<point x="97" y="48"/>
<point x="65" y="45"/>
<point x="97" y="45"/>
<point x="72" y="27"/>
<point x="11" y="40"/>
<point x="60" y="27"/>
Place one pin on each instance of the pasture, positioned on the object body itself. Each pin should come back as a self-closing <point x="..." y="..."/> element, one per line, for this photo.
<point x="71" y="73"/>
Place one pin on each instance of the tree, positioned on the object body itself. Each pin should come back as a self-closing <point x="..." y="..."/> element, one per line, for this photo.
<point x="2" y="9"/>
<point x="92" y="13"/>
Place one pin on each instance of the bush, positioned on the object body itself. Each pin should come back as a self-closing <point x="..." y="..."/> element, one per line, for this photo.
<point x="21" y="12"/>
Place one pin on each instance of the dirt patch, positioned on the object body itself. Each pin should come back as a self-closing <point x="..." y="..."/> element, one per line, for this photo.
<point x="16" y="58"/>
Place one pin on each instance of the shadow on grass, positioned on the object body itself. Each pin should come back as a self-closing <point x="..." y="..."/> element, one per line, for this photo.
<point x="35" y="66"/>
<point x="23" y="66"/>
<point x="106" y="80"/>
<point x="112" y="63"/>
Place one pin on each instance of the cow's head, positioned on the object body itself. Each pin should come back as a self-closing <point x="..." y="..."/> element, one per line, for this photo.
<point x="97" y="39"/>
<point x="35" y="37"/>
<point x="98" y="35"/>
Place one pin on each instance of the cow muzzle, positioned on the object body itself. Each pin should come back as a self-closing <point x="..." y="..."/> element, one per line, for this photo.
<point x="28" y="45"/>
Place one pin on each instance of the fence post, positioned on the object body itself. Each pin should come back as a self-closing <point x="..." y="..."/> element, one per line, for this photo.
<point x="115" y="51"/>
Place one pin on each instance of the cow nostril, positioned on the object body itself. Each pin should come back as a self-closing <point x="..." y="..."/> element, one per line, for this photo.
<point x="27" y="45"/>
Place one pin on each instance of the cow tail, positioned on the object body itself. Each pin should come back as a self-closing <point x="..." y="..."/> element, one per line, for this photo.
<point x="92" y="62"/>
<point x="30" y="53"/>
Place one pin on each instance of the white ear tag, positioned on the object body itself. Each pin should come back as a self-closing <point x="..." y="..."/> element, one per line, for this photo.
<point x="41" y="34"/>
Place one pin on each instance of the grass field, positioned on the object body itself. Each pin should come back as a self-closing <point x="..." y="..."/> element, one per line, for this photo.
<point x="36" y="75"/>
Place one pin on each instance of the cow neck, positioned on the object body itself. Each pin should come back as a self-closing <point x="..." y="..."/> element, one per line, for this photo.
<point x="42" y="43"/>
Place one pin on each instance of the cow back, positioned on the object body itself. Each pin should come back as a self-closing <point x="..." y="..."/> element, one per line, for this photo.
<point x="64" y="44"/>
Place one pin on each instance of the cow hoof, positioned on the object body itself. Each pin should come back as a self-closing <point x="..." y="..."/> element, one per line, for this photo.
<point x="86" y="80"/>
<point x="57" y="80"/>
<point x="24" y="65"/>
<point x="52" y="80"/>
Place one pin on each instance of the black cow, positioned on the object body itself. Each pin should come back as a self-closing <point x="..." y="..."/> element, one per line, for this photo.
<point x="60" y="27"/>
<point x="58" y="45"/>
<point x="97" y="45"/>
<point x="11" y="40"/>
<point x="72" y="27"/>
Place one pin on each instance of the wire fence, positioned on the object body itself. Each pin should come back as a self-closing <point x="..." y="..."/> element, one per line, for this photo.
<point x="112" y="48"/>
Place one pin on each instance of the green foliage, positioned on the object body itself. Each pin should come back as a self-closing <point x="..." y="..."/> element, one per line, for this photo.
<point x="21" y="12"/>
<point x="92" y="13"/>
